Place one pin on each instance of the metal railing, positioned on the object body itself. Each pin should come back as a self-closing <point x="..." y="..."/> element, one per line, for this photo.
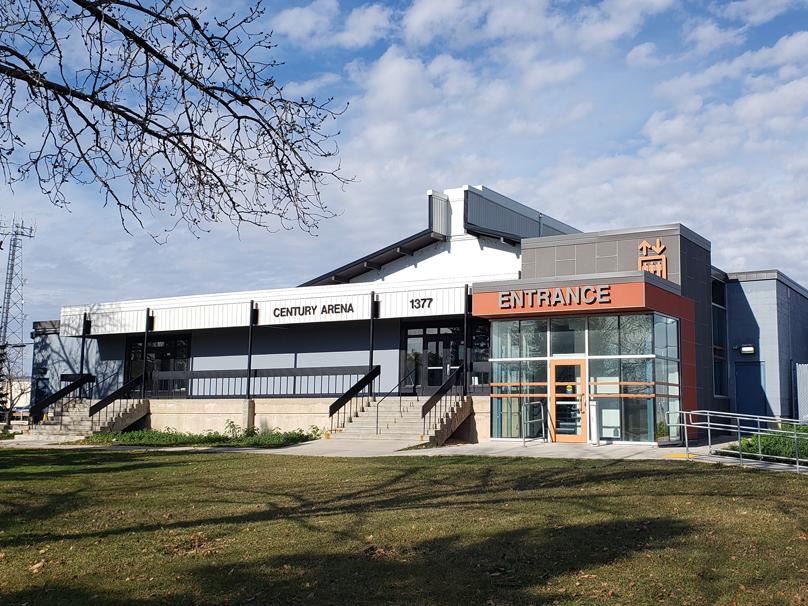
<point x="58" y="398"/>
<point x="751" y="436"/>
<point x="118" y="402"/>
<point x="320" y="381"/>
<point x="443" y="400"/>
<point x="395" y="389"/>
<point x="354" y="400"/>
<point x="527" y="422"/>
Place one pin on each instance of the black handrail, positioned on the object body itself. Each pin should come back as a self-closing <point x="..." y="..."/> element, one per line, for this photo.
<point x="115" y="395"/>
<point x="397" y="386"/>
<point x="353" y="391"/>
<point x="38" y="407"/>
<point x="442" y="391"/>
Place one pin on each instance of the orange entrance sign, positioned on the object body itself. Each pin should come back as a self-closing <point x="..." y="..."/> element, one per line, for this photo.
<point x="560" y="299"/>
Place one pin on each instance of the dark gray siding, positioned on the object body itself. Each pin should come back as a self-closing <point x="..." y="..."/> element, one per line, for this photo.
<point x="55" y="355"/>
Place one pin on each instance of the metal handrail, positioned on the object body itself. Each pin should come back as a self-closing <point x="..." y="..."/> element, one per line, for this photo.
<point x="126" y="389"/>
<point x="50" y="400"/>
<point x="526" y="423"/>
<point x="438" y="398"/>
<point x="348" y="396"/>
<point x="730" y="423"/>
<point x="397" y="387"/>
<point x="441" y="391"/>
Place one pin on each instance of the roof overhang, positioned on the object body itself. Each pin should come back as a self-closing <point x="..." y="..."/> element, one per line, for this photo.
<point x="403" y="248"/>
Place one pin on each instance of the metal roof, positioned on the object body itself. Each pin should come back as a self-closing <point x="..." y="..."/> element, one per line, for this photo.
<point x="402" y="248"/>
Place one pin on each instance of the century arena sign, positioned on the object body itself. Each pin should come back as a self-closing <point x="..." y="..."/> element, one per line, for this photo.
<point x="563" y="296"/>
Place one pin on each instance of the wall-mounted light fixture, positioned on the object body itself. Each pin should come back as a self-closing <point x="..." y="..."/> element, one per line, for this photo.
<point x="747" y="350"/>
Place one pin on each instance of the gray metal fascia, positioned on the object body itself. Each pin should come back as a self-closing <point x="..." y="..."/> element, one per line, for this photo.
<point x="673" y="229"/>
<point x="621" y="277"/>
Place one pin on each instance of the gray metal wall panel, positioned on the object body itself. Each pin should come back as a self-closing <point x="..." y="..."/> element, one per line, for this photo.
<point x="579" y="254"/>
<point x="485" y="213"/>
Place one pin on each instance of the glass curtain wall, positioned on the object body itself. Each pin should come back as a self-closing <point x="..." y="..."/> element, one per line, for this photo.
<point x="519" y="378"/>
<point x="632" y="369"/>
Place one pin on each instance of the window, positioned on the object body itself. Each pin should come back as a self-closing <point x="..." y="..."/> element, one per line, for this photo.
<point x="719" y="318"/>
<point x="505" y="339"/>
<point x="635" y="335"/>
<point x="534" y="338"/>
<point x="567" y="335"/>
<point x="604" y="336"/>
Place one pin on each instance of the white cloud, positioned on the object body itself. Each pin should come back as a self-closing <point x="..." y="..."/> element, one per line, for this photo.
<point x="364" y="26"/>
<point x="643" y="56"/>
<point x="309" y="87"/>
<point x="706" y="36"/>
<point x="316" y="25"/>
<point x="612" y="19"/>
<point x="306" y="23"/>
<point x="757" y="12"/>
<point x="791" y="50"/>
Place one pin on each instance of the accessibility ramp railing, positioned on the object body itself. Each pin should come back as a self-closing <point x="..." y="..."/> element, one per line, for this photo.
<point x="745" y="437"/>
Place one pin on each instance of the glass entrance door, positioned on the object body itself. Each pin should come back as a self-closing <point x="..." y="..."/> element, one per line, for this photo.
<point x="567" y="401"/>
<point x="432" y="354"/>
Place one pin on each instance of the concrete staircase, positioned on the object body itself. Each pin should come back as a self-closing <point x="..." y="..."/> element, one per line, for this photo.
<point x="71" y="420"/>
<point x="404" y="424"/>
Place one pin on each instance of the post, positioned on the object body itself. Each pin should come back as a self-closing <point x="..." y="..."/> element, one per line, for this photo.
<point x="466" y="361"/>
<point x="145" y="347"/>
<point x="370" y="352"/>
<point x="709" y="434"/>
<point x="84" y="321"/>
<point x="252" y="319"/>
<point x="687" y="441"/>
<point x="740" y="445"/>
<point x="796" y="448"/>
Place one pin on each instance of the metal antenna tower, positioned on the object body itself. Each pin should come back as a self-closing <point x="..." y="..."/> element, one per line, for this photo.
<point x="12" y="317"/>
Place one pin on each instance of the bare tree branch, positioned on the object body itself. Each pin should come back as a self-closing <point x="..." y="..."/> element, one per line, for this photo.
<point x="165" y="109"/>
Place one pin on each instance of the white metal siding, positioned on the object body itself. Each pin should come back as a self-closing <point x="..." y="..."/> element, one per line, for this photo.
<point x="202" y="316"/>
<point x="421" y="302"/>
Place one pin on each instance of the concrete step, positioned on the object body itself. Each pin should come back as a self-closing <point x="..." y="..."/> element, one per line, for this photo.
<point x="404" y="437"/>
<point x="370" y="424"/>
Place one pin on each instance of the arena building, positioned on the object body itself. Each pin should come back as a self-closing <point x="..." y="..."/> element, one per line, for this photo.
<point x="495" y="322"/>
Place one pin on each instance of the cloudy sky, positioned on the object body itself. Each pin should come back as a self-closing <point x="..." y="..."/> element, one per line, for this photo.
<point x="603" y="114"/>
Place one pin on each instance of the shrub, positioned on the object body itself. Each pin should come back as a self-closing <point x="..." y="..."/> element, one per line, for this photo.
<point x="778" y="445"/>
<point x="233" y="436"/>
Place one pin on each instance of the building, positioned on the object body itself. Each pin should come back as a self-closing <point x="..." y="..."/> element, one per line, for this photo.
<point x="547" y="331"/>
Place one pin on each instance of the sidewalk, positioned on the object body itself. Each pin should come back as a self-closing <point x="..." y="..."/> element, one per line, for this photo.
<point x="395" y="448"/>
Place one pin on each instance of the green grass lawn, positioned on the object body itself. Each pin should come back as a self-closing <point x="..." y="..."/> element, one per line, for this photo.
<point x="94" y="527"/>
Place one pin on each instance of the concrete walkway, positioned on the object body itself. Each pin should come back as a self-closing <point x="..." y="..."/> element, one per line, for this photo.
<point x="494" y="448"/>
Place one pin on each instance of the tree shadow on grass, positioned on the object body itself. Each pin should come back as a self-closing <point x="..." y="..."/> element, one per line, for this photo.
<point x="514" y="567"/>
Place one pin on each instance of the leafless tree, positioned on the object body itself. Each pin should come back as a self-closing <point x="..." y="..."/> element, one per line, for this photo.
<point x="169" y="109"/>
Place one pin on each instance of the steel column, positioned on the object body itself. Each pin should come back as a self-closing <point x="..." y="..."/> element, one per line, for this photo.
<point x="467" y="362"/>
<point x="145" y="348"/>
<point x="372" y="326"/>
<point x="252" y="321"/>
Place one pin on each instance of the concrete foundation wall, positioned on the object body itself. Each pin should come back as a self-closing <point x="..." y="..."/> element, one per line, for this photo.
<point x="292" y="413"/>
<point x="284" y="414"/>
<point x="194" y="416"/>
<point x="202" y="415"/>
<point x="477" y="428"/>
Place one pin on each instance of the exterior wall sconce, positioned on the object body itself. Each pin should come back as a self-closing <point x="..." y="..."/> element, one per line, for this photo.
<point x="747" y="350"/>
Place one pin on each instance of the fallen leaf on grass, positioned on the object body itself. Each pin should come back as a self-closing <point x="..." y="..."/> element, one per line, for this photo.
<point x="35" y="568"/>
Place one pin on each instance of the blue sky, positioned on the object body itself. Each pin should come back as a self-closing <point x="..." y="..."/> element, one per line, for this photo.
<point x="603" y="114"/>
